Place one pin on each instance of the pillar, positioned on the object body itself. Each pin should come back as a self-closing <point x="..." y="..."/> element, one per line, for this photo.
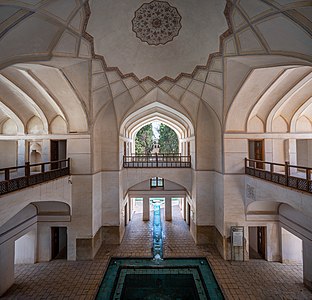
<point x="307" y="263"/>
<point x="273" y="242"/>
<point x="183" y="209"/>
<point x="6" y="266"/>
<point x="130" y="208"/>
<point x="21" y="148"/>
<point x="168" y="208"/>
<point x="187" y="213"/>
<point x="146" y="208"/>
<point x="46" y="149"/>
<point x="291" y="153"/>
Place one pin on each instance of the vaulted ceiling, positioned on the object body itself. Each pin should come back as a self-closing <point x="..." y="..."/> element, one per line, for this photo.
<point x="62" y="62"/>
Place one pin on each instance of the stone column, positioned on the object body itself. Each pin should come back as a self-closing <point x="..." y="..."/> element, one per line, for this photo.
<point x="307" y="263"/>
<point x="146" y="208"/>
<point x="168" y="208"/>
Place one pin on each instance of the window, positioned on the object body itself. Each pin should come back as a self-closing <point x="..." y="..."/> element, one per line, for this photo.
<point x="156" y="182"/>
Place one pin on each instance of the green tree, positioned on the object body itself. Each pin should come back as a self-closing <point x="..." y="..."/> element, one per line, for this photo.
<point x="168" y="140"/>
<point x="144" y="140"/>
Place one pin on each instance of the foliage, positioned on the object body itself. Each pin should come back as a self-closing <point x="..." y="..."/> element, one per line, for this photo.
<point x="144" y="140"/>
<point x="168" y="140"/>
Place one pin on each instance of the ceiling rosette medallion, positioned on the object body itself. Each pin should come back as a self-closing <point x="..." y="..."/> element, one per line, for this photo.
<point x="156" y="23"/>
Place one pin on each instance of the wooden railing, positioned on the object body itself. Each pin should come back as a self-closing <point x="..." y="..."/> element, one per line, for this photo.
<point x="19" y="177"/>
<point x="157" y="161"/>
<point x="296" y="177"/>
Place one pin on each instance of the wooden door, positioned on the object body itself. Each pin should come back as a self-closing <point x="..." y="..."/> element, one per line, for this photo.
<point x="256" y="151"/>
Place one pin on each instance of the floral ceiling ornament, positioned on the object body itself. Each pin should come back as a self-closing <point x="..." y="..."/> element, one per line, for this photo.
<point x="156" y="23"/>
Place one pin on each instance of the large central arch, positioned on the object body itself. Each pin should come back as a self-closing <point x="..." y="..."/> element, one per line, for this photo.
<point x="157" y="112"/>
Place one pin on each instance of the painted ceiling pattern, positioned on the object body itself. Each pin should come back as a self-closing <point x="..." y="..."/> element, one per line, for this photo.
<point x="156" y="23"/>
<point x="45" y="45"/>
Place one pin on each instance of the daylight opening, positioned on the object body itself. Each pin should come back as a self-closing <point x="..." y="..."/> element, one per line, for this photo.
<point x="156" y="138"/>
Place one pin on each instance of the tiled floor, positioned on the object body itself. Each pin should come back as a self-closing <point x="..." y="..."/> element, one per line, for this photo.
<point x="254" y="279"/>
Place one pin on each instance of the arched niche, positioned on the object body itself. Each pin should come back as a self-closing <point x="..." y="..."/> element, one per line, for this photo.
<point x="156" y="112"/>
<point x="35" y="126"/>
<point x="255" y="124"/>
<point x="35" y="155"/>
<point x="9" y="127"/>
<point x="303" y="124"/>
<point x="58" y="126"/>
<point x="279" y="124"/>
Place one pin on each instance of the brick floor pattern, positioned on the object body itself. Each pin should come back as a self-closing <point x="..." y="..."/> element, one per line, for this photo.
<point x="61" y="279"/>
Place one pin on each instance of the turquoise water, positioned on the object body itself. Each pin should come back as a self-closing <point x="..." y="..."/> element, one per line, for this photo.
<point x="159" y="279"/>
<point x="157" y="234"/>
<point x="128" y="278"/>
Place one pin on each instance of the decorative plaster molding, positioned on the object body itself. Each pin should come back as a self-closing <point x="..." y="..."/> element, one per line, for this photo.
<point x="156" y="23"/>
<point x="87" y="36"/>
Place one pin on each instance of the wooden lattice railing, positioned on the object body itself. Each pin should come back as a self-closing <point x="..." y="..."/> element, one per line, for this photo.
<point x="157" y="161"/>
<point x="296" y="177"/>
<point x="19" y="177"/>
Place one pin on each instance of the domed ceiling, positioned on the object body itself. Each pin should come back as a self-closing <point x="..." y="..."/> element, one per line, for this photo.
<point x="156" y="39"/>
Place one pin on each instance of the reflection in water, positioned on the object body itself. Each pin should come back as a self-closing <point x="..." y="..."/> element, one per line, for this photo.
<point x="157" y="235"/>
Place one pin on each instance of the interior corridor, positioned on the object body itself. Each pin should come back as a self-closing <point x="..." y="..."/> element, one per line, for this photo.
<point x="61" y="279"/>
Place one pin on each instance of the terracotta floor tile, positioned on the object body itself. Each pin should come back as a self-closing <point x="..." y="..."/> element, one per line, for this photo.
<point x="81" y="279"/>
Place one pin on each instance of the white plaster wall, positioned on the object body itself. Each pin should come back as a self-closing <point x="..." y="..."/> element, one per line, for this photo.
<point x="7" y="266"/>
<point x="132" y="176"/>
<point x="235" y="151"/>
<point x="219" y="203"/>
<point x="304" y="153"/>
<point x="110" y="199"/>
<point x="291" y="248"/>
<point x="234" y="211"/>
<point x="208" y="140"/>
<point x="168" y="186"/>
<point x="8" y="154"/>
<point x="110" y="139"/>
<point x="26" y="248"/>
<point x="205" y="210"/>
<point x="96" y="202"/>
<point x="79" y="150"/>
<point x="267" y="191"/>
<point x="82" y="205"/>
<point x="55" y="190"/>
<point x="97" y="147"/>
<point x="278" y="154"/>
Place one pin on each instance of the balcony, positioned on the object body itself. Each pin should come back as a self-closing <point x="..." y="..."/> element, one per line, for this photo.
<point x="19" y="177"/>
<point x="157" y="161"/>
<point x="295" y="177"/>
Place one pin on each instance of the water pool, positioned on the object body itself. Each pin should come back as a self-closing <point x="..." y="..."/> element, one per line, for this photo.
<point x="159" y="279"/>
<point x="183" y="279"/>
